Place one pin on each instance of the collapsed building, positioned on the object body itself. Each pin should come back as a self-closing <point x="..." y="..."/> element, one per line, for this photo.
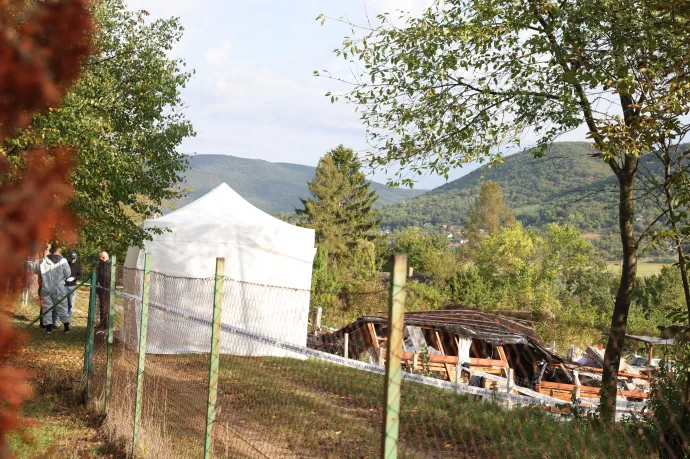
<point x="442" y="343"/>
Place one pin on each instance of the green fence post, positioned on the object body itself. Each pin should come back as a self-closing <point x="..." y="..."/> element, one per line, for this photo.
<point x="215" y="357"/>
<point x="88" y="347"/>
<point x="111" y="320"/>
<point x="396" y="309"/>
<point x="142" y="350"/>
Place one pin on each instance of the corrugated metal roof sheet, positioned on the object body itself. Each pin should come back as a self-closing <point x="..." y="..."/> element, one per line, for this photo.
<point x="464" y="321"/>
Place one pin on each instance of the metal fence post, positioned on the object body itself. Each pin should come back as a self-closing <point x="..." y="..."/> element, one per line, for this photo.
<point x="88" y="346"/>
<point x="396" y="309"/>
<point x="142" y="350"/>
<point x="214" y="363"/>
<point x="111" y="319"/>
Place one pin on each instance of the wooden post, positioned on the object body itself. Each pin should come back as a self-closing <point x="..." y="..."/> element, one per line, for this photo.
<point x="458" y="371"/>
<point x="510" y="383"/>
<point x="381" y="360"/>
<point x="142" y="350"/>
<point x="346" y="345"/>
<point x="111" y="320"/>
<point x="316" y="320"/>
<point x="651" y="355"/>
<point x="396" y="309"/>
<point x="415" y="357"/>
<point x="576" y="393"/>
<point x="214" y="363"/>
<point x="88" y="347"/>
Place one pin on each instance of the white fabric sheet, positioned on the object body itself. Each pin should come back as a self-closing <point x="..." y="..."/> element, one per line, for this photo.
<point x="268" y="266"/>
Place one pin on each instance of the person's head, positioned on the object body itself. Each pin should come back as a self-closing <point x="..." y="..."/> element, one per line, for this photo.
<point x="55" y="249"/>
<point x="103" y="256"/>
<point x="73" y="257"/>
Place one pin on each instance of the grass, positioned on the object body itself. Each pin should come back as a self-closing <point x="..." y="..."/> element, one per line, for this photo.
<point x="56" y="422"/>
<point x="279" y="407"/>
<point x="644" y="269"/>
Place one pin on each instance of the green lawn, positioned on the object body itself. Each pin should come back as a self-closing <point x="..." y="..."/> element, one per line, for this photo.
<point x="280" y="407"/>
<point x="644" y="269"/>
<point x="57" y="424"/>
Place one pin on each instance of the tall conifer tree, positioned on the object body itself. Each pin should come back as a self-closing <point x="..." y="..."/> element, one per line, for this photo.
<point x="341" y="209"/>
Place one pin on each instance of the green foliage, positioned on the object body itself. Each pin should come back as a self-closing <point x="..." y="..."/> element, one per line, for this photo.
<point x="554" y="277"/>
<point x="666" y="402"/>
<point x="566" y="186"/>
<point x="341" y="208"/>
<point x="487" y="214"/>
<point x="124" y="120"/>
<point x="508" y="252"/>
<point x="272" y="187"/>
<point x="341" y="211"/>
<point x="427" y="252"/>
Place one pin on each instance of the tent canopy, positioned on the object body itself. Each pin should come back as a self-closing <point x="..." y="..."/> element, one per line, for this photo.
<point x="256" y="246"/>
<point x="268" y="266"/>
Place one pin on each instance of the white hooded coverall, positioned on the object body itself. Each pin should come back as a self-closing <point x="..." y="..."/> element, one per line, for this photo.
<point x="53" y="288"/>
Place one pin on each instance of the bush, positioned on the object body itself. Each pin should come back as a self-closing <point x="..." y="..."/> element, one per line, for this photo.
<point x="666" y="403"/>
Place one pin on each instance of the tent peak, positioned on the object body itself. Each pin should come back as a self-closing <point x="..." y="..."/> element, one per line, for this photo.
<point x="221" y="205"/>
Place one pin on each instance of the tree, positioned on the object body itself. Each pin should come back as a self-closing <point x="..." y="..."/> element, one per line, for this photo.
<point x="470" y="76"/>
<point x="124" y="119"/>
<point x="427" y="252"/>
<point x="673" y="198"/>
<point x="507" y="252"/>
<point x="341" y="208"/>
<point x="488" y="213"/>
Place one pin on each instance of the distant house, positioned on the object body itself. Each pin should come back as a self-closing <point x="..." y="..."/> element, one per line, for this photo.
<point x="450" y="235"/>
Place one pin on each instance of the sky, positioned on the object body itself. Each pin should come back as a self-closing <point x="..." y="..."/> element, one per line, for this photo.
<point x="254" y="94"/>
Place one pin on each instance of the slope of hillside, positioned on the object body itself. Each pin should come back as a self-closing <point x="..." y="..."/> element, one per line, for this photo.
<point x="567" y="185"/>
<point x="272" y="187"/>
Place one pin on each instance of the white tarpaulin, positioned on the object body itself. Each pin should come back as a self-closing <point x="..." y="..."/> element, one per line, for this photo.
<point x="268" y="265"/>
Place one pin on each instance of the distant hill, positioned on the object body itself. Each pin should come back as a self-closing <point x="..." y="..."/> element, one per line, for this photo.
<point x="272" y="187"/>
<point x="568" y="185"/>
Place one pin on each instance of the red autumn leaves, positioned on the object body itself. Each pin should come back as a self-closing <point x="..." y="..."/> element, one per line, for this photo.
<point x="43" y="46"/>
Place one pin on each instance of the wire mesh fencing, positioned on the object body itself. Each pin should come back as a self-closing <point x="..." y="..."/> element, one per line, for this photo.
<point x="224" y="368"/>
<point x="63" y="350"/>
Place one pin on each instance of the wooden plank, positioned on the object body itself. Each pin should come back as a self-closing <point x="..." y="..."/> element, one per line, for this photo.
<point x="502" y="356"/>
<point x="487" y="363"/>
<point x="373" y="338"/>
<point x="620" y="373"/>
<point x="453" y="359"/>
<point x="449" y="367"/>
<point x="568" y="387"/>
<point x="588" y="389"/>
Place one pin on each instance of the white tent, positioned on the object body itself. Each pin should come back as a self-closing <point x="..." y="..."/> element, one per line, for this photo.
<point x="268" y="265"/>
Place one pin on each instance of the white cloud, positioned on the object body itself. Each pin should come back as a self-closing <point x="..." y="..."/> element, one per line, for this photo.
<point x="220" y="55"/>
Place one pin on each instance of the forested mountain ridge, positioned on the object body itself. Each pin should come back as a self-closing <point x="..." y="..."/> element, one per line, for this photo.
<point x="567" y="185"/>
<point x="272" y="187"/>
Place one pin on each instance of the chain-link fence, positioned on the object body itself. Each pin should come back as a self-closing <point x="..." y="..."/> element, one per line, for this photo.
<point x="225" y="368"/>
<point x="57" y="358"/>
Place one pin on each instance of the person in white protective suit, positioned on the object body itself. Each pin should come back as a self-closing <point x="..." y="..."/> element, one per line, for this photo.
<point x="54" y="271"/>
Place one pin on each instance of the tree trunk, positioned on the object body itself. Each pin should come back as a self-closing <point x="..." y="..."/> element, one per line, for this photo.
<point x="619" y="318"/>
